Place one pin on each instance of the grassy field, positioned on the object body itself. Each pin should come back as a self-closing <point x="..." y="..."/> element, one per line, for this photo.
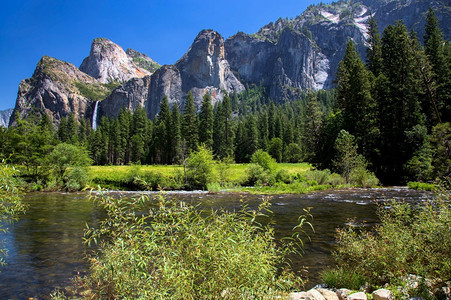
<point x="169" y="176"/>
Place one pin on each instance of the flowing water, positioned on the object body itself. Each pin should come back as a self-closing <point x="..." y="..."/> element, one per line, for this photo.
<point x="45" y="246"/>
<point x="94" y="116"/>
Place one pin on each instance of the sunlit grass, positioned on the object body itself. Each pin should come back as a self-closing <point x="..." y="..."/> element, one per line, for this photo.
<point x="172" y="175"/>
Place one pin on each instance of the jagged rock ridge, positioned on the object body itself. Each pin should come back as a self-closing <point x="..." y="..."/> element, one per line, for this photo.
<point x="203" y="69"/>
<point x="5" y="115"/>
<point x="287" y="56"/>
<point x="303" y="53"/>
<point x="108" y="62"/>
<point x="57" y="88"/>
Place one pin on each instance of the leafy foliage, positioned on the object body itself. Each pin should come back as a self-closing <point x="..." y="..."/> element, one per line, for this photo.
<point x="199" y="167"/>
<point x="180" y="252"/>
<point x="411" y="239"/>
<point x="11" y="205"/>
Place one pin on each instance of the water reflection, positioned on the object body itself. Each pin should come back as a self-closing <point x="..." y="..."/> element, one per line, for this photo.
<point x="46" y="250"/>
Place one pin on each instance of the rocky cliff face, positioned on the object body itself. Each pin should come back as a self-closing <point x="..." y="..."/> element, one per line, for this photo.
<point x="108" y="62"/>
<point x="57" y="88"/>
<point x="286" y="56"/>
<point x="5" y="115"/>
<point x="203" y="69"/>
<point x="303" y="53"/>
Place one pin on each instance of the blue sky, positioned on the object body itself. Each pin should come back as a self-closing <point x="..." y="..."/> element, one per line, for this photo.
<point x="162" y="29"/>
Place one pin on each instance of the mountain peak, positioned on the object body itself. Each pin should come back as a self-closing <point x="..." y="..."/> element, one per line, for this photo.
<point x="108" y="62"/>
<point x="205" y="64"/>
<point x="142" y="60"/>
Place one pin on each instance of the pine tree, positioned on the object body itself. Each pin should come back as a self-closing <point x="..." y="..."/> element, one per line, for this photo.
<point x="399" y="105"/>
<point x="125" y="125"/>
<point x="206" y="122"/>
<point x="189" y="124"/>
<point x="355" y="101"/>
<point x="162" y="133"/>
<point x="439" y="53"/>
<point x="312" y="124"/>
<point x="263" y="130"/>
<point x="176" y="138"/>
<point x="374" y="51"/>
<point x="72" y="130"/>
<point x="227" y="111"/>
<point x="62" y="130"/>
<point x="223" y="137"/>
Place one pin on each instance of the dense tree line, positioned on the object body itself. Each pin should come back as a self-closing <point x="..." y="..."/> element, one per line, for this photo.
<point x="396" y="103"/>
<point x="394" y="107"/>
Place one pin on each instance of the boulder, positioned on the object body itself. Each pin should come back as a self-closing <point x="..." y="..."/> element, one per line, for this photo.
<point x="343" y="293"/>
<point x="328" y="294"/>
<point x="298" y="296"/>
<point x="357" y="296"/>
<point x="382" y="294"/>
<point x="314" y="295"/>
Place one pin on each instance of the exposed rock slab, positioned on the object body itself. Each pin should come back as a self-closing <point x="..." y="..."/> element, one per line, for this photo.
<point x="108" y="62"/>
<point x="5" y="115"/>
<point x="57" y="88"/>
<point x="382" y="294"/>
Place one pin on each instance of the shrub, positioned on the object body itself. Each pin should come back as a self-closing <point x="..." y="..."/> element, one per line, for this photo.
<point x="11" y="205"/>
<point x="293" y="153"/>
<point x="363" y="178"/>
<point x="409" y="240"/>
<point x="339" y="278"/>
<point x="76" y="179"/>
<point x="283" y="176"/>
<point x="320" y="176"/>
<point x="213" y="187"/>
<point x="199" y="167"/>
<point x="179" y="252"/>
<point x="224" y="169"/>
<point x="263" y="159"/>
<point x="65" y="156"/>
<point x="336" y="179"/>
<point x="414" y="185"/>
<point x="257" y="175"/>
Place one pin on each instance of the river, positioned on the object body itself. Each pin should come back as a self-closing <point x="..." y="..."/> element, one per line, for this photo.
<point x="45" y="248"/>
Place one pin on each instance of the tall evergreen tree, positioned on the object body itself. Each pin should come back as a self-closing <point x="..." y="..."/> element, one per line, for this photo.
<point x="206" y="122"/>
<point x="439" y="53"/>
<point x="356" y="103"/>
<point x="162" y="134"/>
<point x="63" y="135"/>
<point x="72" y="129"/>
<point x="374" y="50"/>
<point x="176" y="138"/>
<point x="223" y="137"/>
<point x="399" y="104"/>
<point x="312" y="124"/>
<point x="189" y="124"/>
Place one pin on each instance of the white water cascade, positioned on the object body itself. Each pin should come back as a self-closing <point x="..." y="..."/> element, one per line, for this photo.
<point x="94" y="116"/>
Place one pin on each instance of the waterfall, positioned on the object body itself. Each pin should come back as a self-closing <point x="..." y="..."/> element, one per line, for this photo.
<point x="94" y="116"/>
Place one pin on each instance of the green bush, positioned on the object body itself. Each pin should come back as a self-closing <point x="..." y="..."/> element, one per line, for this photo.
<point x="320" y="176"/>
<point x="263" y="159"/>
<point x="423" y="186"/>
<point x="179" y="252"/>
<point x="257" y="175"/>
<point x="336" y="179"/>
<point x="409" y="240"/>
<point x="363" y="178"/>
<point x="76" y="179"/>
<point x="283" y="176"/>
<point x="339" y="278"/>
<point x="213" y="187"/>
<point x="11" y="205"/>
<point x="200" y="168"/>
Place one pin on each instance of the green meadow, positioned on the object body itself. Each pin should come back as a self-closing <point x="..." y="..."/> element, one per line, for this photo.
<point x="171" y="177"/>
